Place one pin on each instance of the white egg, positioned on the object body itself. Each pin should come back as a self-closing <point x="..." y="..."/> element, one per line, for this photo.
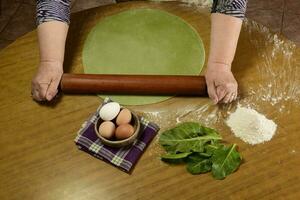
<point x="109" y="111"/>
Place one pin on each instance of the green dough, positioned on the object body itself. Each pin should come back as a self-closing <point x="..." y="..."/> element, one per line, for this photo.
<point x="143" y="41"/>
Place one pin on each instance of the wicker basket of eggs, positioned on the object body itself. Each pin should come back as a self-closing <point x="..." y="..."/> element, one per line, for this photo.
<point x="117" y="126"/>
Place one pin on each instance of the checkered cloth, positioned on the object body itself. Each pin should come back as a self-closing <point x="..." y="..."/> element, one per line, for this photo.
<point x="124" y="158"/>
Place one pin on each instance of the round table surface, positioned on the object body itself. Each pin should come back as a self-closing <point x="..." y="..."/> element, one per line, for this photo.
<point x="39" y="159"/>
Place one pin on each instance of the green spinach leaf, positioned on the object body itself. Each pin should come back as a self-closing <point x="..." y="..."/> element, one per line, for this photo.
<point x="225" y="160"/>
<point x="174" y="158"/>
<point x="187" y="137"/>
<point x="210" y="148"/>
<point x="198" y="166"/>
<point x="198" y="163"/>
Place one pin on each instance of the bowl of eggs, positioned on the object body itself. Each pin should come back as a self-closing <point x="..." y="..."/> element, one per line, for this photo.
<point x="117" y="126"/>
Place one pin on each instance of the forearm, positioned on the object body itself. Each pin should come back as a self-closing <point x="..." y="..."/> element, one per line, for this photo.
<point x="225" y="32"/>
<point x="53" y="18"/>
<point x="221" y="84"/>
<point x="226" y="22"/>
<point x="227" y="16"/>
<point x="52" y="38"/>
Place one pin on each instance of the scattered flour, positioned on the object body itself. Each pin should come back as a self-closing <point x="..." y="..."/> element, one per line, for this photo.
<point x="201" y="3"/>
<point x="251" y="126"/>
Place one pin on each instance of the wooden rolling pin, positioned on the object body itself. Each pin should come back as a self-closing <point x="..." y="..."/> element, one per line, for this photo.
<point x="134" y="84"/>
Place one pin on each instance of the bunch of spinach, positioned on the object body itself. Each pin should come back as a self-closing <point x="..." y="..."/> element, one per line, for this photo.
<point x="201" y="149"/>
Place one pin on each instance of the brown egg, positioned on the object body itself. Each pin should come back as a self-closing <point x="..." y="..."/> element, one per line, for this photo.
<point x="107" y="129"/>
<point x="124" y="117"/>
<point x="124" y="131"/>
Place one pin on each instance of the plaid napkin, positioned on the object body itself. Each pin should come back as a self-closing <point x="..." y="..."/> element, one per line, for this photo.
<point x="124" y="158"/>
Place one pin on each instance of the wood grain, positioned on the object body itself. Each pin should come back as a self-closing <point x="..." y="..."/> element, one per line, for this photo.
<point x="40" y="161"/>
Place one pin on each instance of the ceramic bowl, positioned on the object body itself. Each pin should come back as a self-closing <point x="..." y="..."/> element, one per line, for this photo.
<point x="135" y="122"/>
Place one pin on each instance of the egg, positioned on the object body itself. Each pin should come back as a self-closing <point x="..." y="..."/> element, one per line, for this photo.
<point x="124" y="131"/>
<point x="107" y="129"/>
<point x="109" y="111"/>
<point x="124" y="117"/>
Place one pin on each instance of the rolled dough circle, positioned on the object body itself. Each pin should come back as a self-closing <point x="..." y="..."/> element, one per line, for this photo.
<point x="143" y="41"/>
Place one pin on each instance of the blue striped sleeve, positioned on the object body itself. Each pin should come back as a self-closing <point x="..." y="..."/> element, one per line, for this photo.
<point x="235" y="8"/>
<point x="48" y="10"/>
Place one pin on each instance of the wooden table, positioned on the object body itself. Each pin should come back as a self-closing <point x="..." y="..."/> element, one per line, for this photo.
<point x="40" y="161"/>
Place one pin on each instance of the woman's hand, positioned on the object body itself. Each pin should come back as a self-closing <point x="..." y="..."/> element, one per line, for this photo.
<point x="52" y="38"/>
<point x="221" y="84"/>
<point x="45" y="83"/>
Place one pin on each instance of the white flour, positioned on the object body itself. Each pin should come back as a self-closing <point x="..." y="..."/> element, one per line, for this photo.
<point x="206" y="3"/>
<point x="201" y="3"/>
<point x="251" y="126"/>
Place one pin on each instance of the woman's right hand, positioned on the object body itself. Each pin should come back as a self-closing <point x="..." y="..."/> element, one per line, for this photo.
<point x="45" y="83"/>
<point x="221" y="84"/>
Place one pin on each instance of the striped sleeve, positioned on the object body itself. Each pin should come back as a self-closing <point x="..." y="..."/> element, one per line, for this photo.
<point x="235" y="8"/>
<point x="48" y="10"/>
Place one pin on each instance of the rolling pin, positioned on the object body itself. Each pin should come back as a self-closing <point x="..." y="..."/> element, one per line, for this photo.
<point x="133" y="84"/>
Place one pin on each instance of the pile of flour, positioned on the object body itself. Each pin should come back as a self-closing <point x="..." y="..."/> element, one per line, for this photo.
<point x="251" y="126"/>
